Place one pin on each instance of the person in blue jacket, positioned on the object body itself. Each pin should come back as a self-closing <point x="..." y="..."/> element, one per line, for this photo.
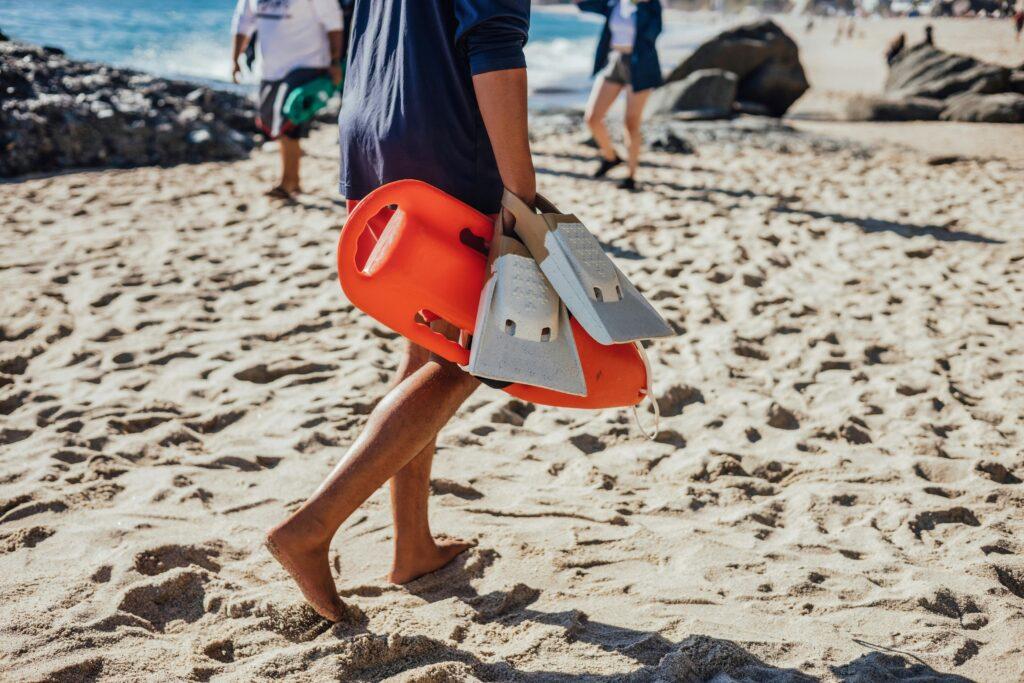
<point x="627" y="59"/>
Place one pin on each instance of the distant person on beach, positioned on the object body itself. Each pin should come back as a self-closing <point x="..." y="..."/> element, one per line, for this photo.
<point x="1018" y="22"/>
<point x="929" y="38"/>
<point x="895" y="48"/>
<point x="299" y="41"/>
<point x="627" y="59"/>
<point x="435" y="91"/>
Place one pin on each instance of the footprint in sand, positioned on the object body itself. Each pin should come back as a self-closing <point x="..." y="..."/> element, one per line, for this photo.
<point x="176" y="595"/>
<point x="29" y="537"/>
<point x="513" y="413"/>
<point x="929" y="520"/>
<point x="220" y="650"/>
<point x="673" y="400"/>
<point x="442" y="487"/>
<point x="963" y="608"/>
<point x="167" y="557"/>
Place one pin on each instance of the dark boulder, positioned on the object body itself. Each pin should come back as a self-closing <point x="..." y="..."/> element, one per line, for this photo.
<point x="707" y="93"/>
<point x="59" y="113"/>
<point x="998" y="108"/>
<point x="765" y="60"/>
<point x="1016" y="83"/>
<point x="887" y="109"/>
<point x="925" y="71"/>
<point x="925" y="83"/>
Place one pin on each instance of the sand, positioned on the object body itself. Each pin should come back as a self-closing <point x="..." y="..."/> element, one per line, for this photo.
<point x="835" y="492"/>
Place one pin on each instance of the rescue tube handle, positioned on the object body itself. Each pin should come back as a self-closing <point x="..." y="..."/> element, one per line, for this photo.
<point x="356" y="223"/>
<point x="432" y="340"/>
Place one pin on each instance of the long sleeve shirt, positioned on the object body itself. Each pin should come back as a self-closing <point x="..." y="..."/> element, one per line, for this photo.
<point x="410" y="110"/>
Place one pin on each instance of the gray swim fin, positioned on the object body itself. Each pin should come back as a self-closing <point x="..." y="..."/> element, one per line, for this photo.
<point x="599" y="296"/>
<point x="522" y="331"/>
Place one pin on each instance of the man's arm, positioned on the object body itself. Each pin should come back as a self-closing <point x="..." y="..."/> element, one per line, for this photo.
<point x="336" y="39"/>
<point x="502" y="99"/>
<point x="243" y="25"/>
<point x="237" y="48"/>
<point x="328" y="12"/>
<point x="493" y="33"/>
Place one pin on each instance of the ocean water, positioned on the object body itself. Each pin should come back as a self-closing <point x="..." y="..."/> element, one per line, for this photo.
<point x="190" y="39"/>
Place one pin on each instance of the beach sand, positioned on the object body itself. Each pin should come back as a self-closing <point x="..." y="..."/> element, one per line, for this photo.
<point x="835" y="491"/>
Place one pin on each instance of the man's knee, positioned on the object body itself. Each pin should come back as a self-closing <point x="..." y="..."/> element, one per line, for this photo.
<point x="633" y="124"/>
<point x="455" y="379"/>
<point x="592" y="119"/>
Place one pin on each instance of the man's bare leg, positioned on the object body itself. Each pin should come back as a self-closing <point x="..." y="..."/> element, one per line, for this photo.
<point x="291" y="152"/>
<point x="402" y="425"/>
<point x="417" y="552"/>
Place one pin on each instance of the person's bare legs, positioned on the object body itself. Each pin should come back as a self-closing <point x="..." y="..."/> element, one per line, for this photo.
<point x="602" y="97"/>
<point x="417" y="552"/>
<point x="291" y="153"/>
<point x="402" y="425"/>
<point x="635" y="102"/>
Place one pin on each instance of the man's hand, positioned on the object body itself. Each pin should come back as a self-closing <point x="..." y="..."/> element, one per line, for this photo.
<point x="335" y="40"/>
<point x="336" y="74"/>
<point x="238" y="46"/>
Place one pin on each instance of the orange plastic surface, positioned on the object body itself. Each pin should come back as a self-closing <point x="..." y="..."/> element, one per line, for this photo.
<point x="425" y="259"/>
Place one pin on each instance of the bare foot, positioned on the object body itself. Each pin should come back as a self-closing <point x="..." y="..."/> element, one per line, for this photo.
<point x="309" y="567"/>
<point x="283" y="192"/>
<point x="414" y="564"/>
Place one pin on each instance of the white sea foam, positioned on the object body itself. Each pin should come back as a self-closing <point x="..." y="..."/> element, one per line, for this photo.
<point x="201" y="58"/>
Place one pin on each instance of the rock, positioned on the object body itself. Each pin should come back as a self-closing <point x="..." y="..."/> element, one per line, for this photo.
<point x="709" y="93"/>
<point x="1016" y="83"/>
<point x="889" y="109"/>
<point x="3" y="37"/>
<point x="765" y="60"/>
<point x="1005" y="107"/>
<point x="926" y="83"/>
<point x="60" y="113"/>
<point x="666" y="140"/>
<point x="925" y="71"/>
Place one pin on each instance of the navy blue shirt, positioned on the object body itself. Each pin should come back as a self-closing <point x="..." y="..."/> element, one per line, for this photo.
<point x="409" y="109"/>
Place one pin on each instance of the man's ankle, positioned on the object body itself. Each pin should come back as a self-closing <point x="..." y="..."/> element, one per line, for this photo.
<point x="305" y="529"/>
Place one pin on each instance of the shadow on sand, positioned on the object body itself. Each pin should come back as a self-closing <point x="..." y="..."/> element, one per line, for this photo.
<point x="694" y="659"/>
<point x="872" y="225"/>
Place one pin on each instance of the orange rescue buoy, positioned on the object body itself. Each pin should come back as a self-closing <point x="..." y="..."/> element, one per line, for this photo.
<point x="429" y="262"/>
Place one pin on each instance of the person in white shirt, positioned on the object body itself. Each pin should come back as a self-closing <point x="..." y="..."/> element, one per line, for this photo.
<point x="299" y="40"/>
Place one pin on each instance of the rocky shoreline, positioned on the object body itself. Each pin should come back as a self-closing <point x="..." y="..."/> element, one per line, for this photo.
<point x="58" y="113"/>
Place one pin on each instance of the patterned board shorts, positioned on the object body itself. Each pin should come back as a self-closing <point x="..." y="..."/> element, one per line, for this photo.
<point x="273" y="94"/>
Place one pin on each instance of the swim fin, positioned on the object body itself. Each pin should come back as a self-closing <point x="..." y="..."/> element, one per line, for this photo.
<point x="599" y="296"/>
<point x="522" y="332"/>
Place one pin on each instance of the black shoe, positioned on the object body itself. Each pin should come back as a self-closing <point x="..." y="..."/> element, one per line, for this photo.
<point x="627" y="184"/>
<point x="607" y="166"/>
